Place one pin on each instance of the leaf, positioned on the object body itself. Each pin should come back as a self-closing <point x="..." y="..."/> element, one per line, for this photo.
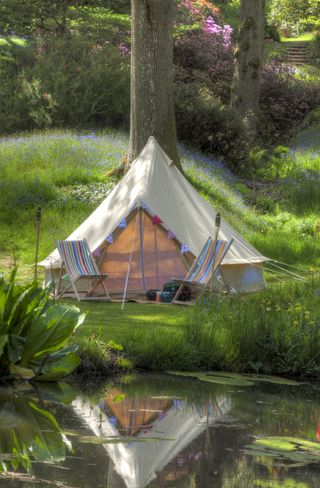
<point x="22" y="373"/>
<point x="120" y="440"/>
<point x="50" y="331"/>
<point x="56" y="369"/>
<point x="15" y="347"/>
<point x="275" y="379"/>
<point x="118" y="398"/>
<point x="58" y="392"/>
<point x="290" y="449"/>
<point x="235" y="379"/>
<point x="3" y="342"/>
<point x="113" y="345"/>
<point x="221" y="379"/>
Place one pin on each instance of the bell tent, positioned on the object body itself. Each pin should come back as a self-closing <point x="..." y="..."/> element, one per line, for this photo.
<point x="151" y="227"/>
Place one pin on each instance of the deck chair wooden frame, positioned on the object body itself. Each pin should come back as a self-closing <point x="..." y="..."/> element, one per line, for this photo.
<point x="205" y="266"/>
<point x="79" y="264"/>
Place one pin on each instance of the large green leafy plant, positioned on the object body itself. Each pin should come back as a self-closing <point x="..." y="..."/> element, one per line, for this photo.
<point x="34" y="333"/>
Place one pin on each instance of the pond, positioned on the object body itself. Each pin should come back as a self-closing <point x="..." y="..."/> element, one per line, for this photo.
<point x="161" y="431"/>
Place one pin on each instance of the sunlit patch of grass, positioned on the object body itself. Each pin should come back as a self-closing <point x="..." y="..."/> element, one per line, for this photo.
<point x="17" y="41"/>
<point x="308" y="73"/>
<point x="110" y="322"/>
<point x="305" y="37"/>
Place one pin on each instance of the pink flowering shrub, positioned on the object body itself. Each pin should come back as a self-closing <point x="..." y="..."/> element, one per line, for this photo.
<point x="222" y="33"/>
<point x="197" y="10"/>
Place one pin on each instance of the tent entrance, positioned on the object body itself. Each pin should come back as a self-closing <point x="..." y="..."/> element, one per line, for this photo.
<point x="155" y="258"/>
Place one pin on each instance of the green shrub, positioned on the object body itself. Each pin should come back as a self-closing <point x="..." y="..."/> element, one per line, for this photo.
<point x="204" y="121"/>
<point x="69" y="81"/>
<point x="273" y="32"/>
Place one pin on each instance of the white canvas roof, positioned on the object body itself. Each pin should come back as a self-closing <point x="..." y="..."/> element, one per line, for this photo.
<point x="139" y="462"/>
<point x="154" y="181"/>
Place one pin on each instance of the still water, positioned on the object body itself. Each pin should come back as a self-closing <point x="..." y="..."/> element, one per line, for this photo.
<point x="161" y="431"/>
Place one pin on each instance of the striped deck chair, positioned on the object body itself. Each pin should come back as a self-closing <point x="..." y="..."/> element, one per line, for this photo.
<point x="79" y="264"/>
<point x="205" y="267"/>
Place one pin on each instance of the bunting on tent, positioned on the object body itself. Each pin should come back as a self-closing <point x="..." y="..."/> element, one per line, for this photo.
<point x="171" y="235"/>
<point x="156" y="220"/>
<point x="123" y="224"/>
<point x="109" y="239"/>
<point x="184" y="249"/>
<point x="144" y="206"/>
<point x="97" y="253"/>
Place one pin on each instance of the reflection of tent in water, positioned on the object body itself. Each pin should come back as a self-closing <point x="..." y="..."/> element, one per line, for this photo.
<point x="138" y="463"/>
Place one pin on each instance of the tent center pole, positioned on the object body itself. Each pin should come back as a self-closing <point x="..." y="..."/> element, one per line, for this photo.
<point x="129" y="263"/>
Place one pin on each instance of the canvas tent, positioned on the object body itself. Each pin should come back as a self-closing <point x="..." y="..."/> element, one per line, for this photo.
<point x="154" y="223"/>
<point x="178" y="425"/>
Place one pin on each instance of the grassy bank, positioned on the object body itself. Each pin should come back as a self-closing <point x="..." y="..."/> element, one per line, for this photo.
<point x="65" y="173"/>
<point x="277" y="332"/>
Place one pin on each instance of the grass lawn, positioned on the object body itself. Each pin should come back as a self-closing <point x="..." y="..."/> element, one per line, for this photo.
<point x="305" y="37"/>
<point x="109" y="322"/>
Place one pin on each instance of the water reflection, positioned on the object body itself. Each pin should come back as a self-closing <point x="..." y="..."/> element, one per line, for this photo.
<point x="156" y="432"/>
<point x="168" y="424"/>
<point x="28" y="431"/>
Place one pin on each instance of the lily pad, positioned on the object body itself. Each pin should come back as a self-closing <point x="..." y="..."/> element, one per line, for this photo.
<point x="286" y="449"/>
<point x="275" y="379"/>
<point x="236" y="379"/>
<point x="219" y="379"/>
<point x="120" y="440"/>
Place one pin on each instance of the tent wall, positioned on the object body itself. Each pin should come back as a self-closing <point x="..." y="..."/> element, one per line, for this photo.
<point x="243" y="277"/>
<point x="155" y="258"/>
<point x="155" y="184"/>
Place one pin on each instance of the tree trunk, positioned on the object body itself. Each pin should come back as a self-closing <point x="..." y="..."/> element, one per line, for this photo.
<point x="152" y="102"/>
<point x="245" y="91"/>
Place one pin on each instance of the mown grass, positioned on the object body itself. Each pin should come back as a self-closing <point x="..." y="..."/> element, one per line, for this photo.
<point x="109" y="322"/>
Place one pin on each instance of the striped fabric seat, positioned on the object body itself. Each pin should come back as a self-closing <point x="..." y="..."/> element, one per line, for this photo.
<point x="205" y="266"/>
<point x="77" y="258"/>
<point x="208" y="261"/>
<point x="80" y="264"/>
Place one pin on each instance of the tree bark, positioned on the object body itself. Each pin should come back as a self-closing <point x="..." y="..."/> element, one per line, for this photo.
<point x="245" y="90"/>
<point x="152" y="98"/>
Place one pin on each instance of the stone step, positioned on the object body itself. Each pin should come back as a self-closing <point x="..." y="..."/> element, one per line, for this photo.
<point x="298" y="56"/>
<point x="297" y="53"/>
<point x="300" y="43"/>
<point x="297" y="50"/>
